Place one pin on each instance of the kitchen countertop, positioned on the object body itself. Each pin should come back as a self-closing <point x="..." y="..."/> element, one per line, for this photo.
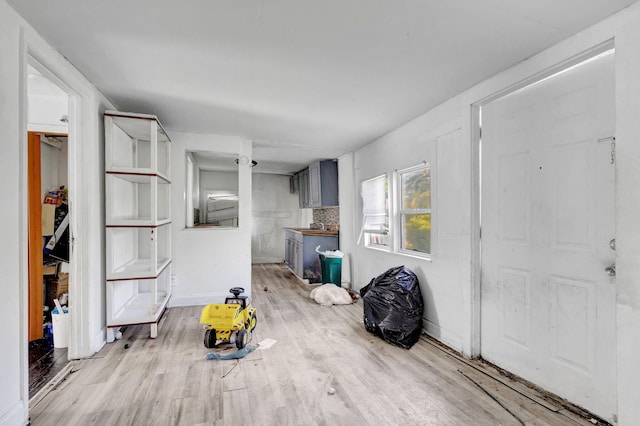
<point x="316" y="232"/>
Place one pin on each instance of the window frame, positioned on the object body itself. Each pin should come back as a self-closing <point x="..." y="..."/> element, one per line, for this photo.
<point x="401" y="211"/>
<point x="368" y="234"/>
<point x="395" y="213"/>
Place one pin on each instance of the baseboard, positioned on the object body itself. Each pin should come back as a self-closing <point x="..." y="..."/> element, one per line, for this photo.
<point x="267" y="260"/>
<point x="442" y="335"/>
<point x="16" y="415"/>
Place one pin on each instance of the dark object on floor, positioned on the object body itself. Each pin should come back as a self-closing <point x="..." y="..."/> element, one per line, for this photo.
<point x="393" y="307"/>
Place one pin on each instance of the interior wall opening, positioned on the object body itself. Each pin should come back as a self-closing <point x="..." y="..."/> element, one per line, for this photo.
<point x="48" y="227"/>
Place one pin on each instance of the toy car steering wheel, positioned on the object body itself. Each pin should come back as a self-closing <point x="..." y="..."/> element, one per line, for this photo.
<point x="236" y="291"/>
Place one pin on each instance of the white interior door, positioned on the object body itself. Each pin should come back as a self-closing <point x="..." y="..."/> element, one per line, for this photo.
<point x="547" y="301"/>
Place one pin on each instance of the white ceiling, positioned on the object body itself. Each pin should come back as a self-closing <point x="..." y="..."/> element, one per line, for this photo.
<point x="304" y="79"/>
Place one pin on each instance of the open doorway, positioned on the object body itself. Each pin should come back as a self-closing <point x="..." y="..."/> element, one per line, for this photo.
<point x="48" y="219"/>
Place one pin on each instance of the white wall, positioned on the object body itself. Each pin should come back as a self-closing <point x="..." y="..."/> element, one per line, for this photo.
<point x="216" y="181"/>
<point x="440" y="143"/>
<point x="444" y="137"/>
<point x="17" y="38"/>
<point x="207" y="262"/>
<point x="274" y="208"/>
<point x="47" y="103"/>
<point x="348" y="194"/>
<point x="627" y="33"/>
<point x="13" y="401"/>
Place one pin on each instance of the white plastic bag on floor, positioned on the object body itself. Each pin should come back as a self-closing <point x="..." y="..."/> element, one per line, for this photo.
<point x="330" y="294"/>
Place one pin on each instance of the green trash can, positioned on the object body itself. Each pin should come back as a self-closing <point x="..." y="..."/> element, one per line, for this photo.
<point x="331" y="269"/>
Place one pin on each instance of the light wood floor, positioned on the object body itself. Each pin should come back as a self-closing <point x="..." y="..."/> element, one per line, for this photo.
<point x="168" y="381"/>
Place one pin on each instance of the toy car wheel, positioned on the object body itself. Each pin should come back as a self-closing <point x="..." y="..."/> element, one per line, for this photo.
<point x="242" y="338"/>
<point x="210" y="338"/>
<point x="253" y="321"/>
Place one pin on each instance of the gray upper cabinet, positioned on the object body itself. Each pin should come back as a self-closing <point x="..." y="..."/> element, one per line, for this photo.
<point x="318" y="185"/>
<point x="303" y="188"/>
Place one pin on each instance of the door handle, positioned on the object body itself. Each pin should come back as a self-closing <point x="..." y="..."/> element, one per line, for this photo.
<point x="611" y="270"/>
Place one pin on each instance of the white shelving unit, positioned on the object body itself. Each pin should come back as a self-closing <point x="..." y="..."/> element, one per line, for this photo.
<point x="130" y="198"/>
<point x="137" y="301"/>
<point x="138" y="217"/>
<point x="137" y="252"/>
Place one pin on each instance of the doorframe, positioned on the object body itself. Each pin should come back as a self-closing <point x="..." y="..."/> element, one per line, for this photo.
<point x="36" y="56"/>
<point x="77" y="322"/>
<point x="475" y="349"/>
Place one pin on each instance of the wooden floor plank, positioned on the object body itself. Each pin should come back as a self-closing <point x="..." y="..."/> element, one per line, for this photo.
<point x="324" y="369"/>
<point x="236" y="408"/>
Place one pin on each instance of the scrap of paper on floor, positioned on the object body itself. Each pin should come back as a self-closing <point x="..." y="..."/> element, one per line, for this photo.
<point x="266" y="343"/>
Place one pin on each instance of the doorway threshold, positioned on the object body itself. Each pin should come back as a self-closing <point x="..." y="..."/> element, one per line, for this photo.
<point x="45" y="362"/>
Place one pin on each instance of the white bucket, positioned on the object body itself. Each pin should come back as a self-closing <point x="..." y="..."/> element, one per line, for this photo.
<point x="60" y="325"/>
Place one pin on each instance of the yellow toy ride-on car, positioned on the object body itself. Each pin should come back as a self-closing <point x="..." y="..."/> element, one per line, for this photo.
<point x="229" y="322"/>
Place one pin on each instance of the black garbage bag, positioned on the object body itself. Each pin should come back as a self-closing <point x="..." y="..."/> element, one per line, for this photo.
<point x="393" y="307"/>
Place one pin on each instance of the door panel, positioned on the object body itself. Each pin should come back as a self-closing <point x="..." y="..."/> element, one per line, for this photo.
<point x="514" y="211"/>
<point x="36" y="291"/>
<point x="572" y="318"/>
<point x="547" y="304"/>
<point x="571" y="196"/>
<point x="515" y="300"/>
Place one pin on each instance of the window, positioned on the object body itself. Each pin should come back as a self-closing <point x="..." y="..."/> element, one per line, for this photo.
<point x="212" y="199"/>
<point x="375" y="211"/>
<point x="414" y="210"/>
<point x="400" y="222"/>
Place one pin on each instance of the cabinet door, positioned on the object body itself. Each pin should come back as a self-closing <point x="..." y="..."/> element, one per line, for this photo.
<point x="328" y="183"/>
<point x="298" y="256"/>
<point x="315" y="199"/>
<point x="322" y="181"/>
<point x="288" y="256"/>
<point x="303" y="188"/>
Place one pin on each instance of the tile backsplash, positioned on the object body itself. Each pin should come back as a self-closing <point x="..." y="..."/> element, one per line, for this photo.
<point x="328" y="215"/>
